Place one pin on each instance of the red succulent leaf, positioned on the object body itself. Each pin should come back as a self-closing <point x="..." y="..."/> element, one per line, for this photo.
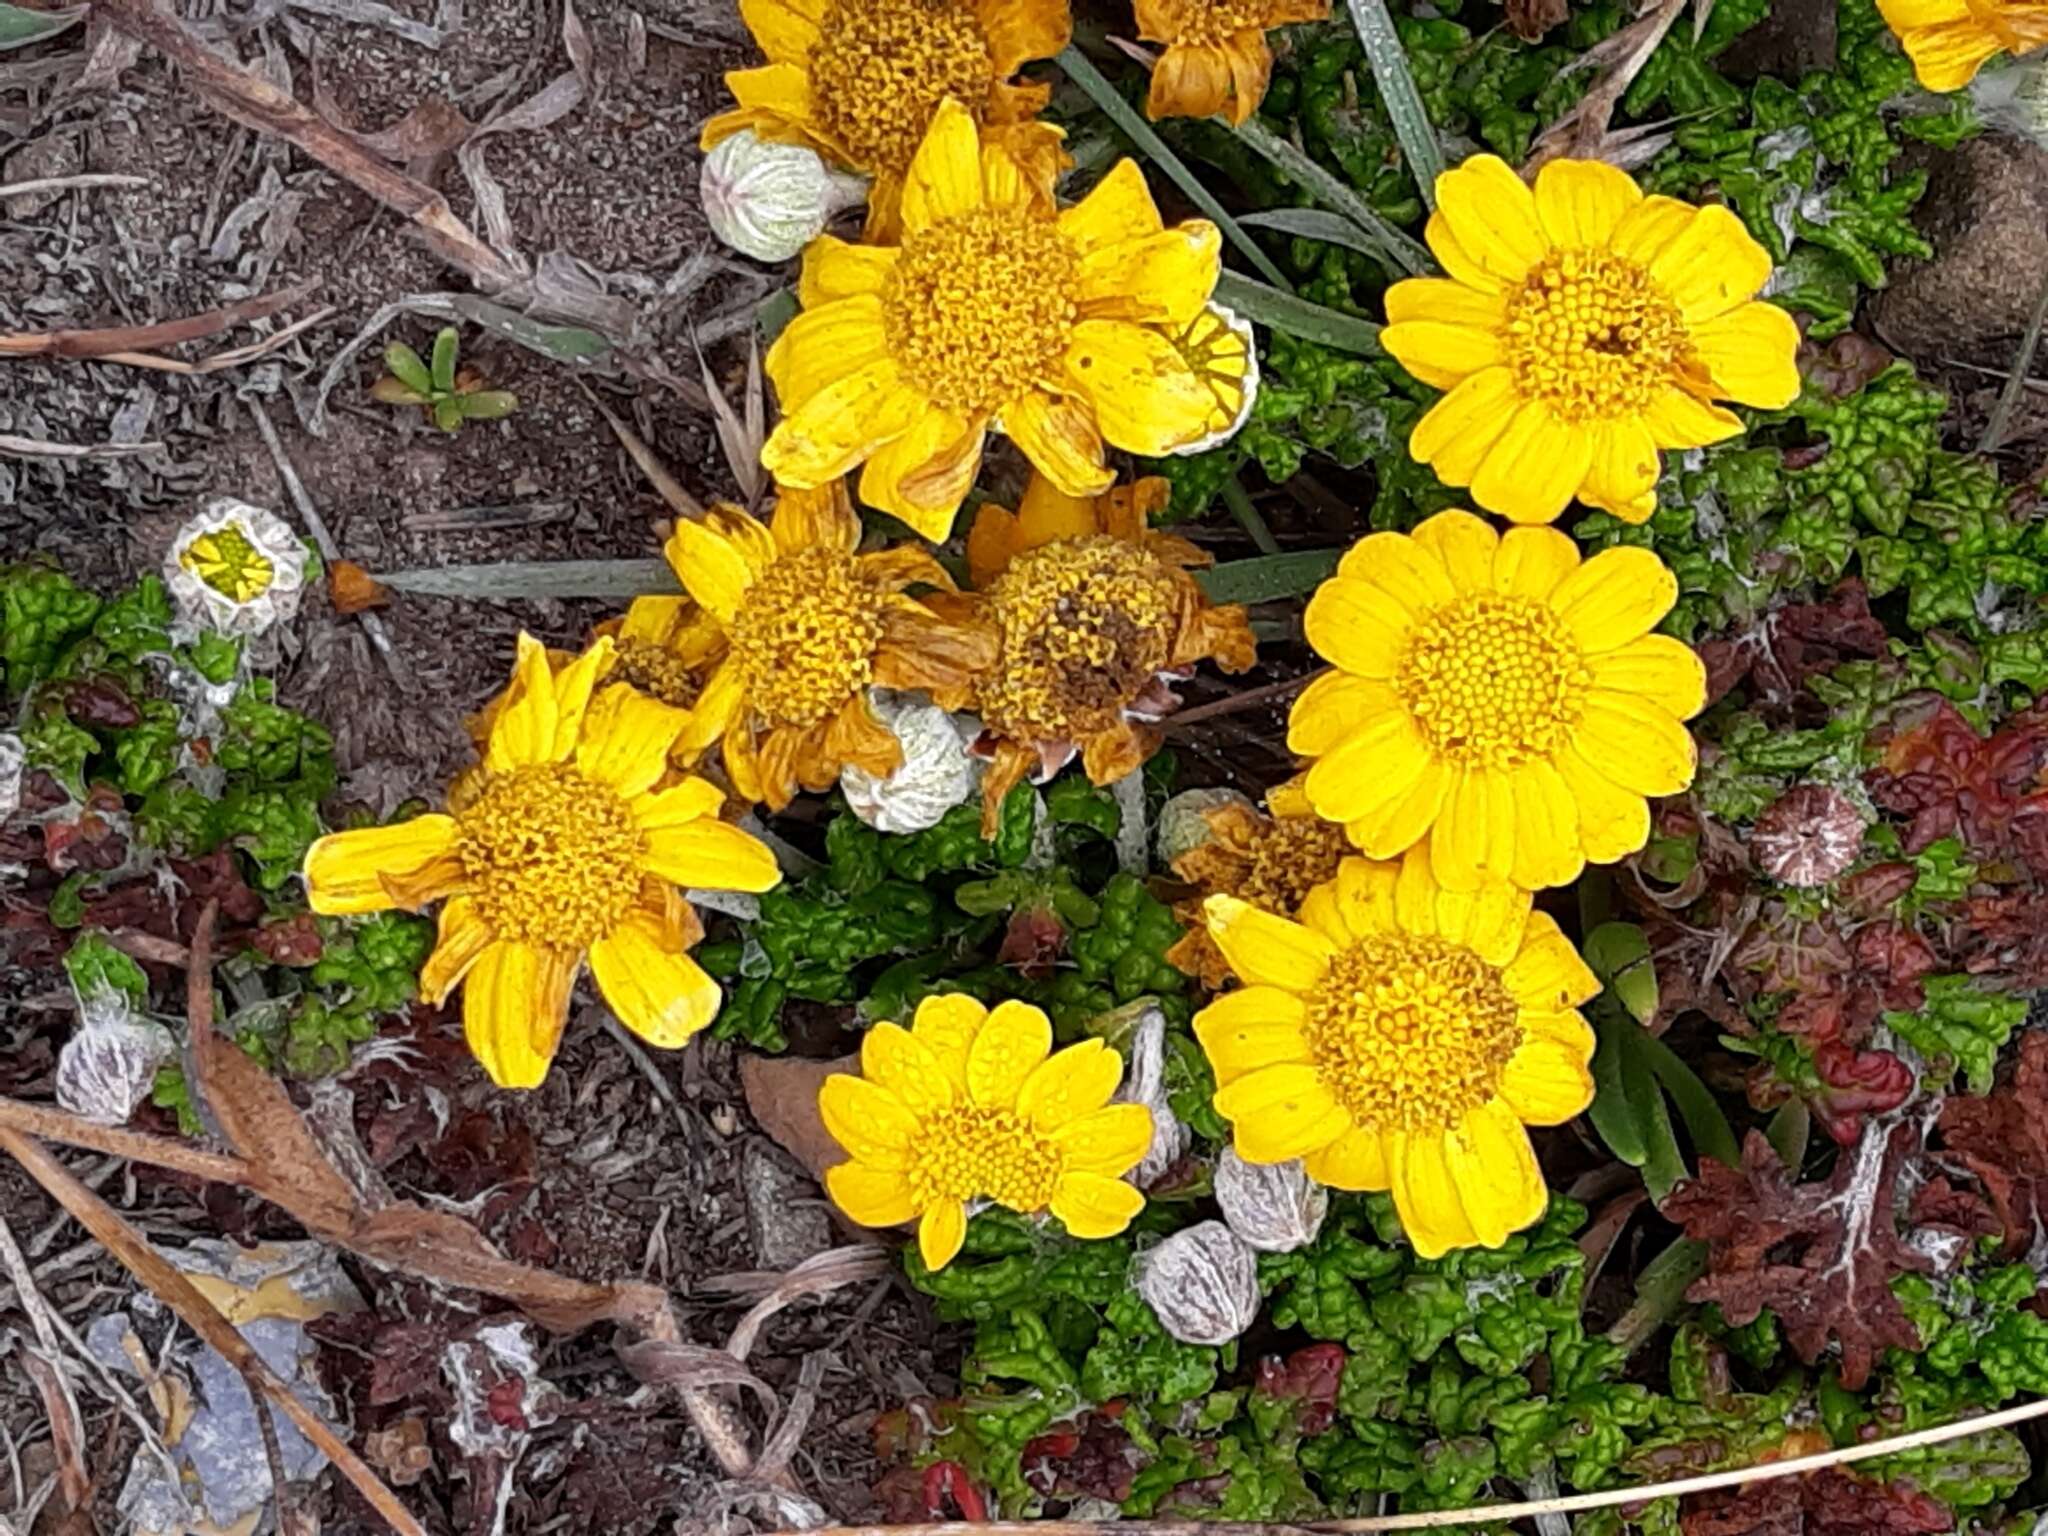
<point x="1093" y="1457"/>
<point x="1830" y="1502"/>
<point x="2002" y="1142"/>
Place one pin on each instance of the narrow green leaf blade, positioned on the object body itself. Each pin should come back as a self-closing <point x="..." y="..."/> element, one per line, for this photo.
<point x="1267" y="577"/>
<point x="563" y="343"/>
<point x="1298" y="317"/>
<point x="19" y="27"/>
<point x="512" y="580"/>
<point x="1705" y="1122"/>
<point x="447" y="342"/>
<point x="1403" y="101"/>
<point x="1385" y="243"/>
<point x="1612" y="1113"/>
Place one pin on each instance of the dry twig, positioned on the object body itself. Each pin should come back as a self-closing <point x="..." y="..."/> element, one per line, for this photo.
<point x="125" y="341"/>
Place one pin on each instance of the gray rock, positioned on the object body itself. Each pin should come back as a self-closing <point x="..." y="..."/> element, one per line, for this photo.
<point x="785" y="1211"/>
<point x="1986" y="212"/>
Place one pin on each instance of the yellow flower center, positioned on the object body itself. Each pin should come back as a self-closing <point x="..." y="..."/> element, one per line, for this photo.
<point x="1211" y="22"/>
<point x="979" y="307"/>
<point x="1593" y="336"/>
<point x="880" y="68"/>
<point x="227" y="562"/>
<point x="1288" y="859"/>
<point x="964" y="1152"/>
<point x="1086" y="624"/>
<point x="805" y="636"/>
<point x="552" y="857"/>
<point x="1411" y="1033"/>
<point x="656" y="671"/>
<point x="1494" y="681"/>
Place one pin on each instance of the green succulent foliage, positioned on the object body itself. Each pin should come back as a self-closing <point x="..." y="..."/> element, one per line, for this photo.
<point x="1960" y="1028"/>
<point x="449" y="395"/>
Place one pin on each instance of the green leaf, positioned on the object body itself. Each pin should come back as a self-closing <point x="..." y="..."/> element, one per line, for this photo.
<point x="1316" y="224"/>
<point x="410" y="369"/>
<point x="1298" y="317"/>
<point x="447" y="345"/>
<point x="19" y="27"/>
<point x="562" y="343"/>
<point x="775" y="312"/>
<point x="488" y="404"/>
<point x="1387" y="244"/>
<point x="1398" y="94"/>
<point x="1705" y="1122"/>
<point x="448" y="414"/>
<point x="1266" y="577"/>
<point x="1619" y="954"/>
<point x="1139" y="132"/>
<point x="499" y="581"/>
<point x="1611" y="1112"/>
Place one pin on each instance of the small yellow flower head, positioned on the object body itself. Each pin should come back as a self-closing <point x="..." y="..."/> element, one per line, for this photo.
<point x="808" y="626"/>
<point x="969" y="1105"/>
<point x="1399" y="1037"/>
<point x="1216" y="58"/>
<point x="235" y="567"/>
<point x="560" y="850"/>
<point x="1067" y="331"/>
<point x="1496" y="698"/>
<point x="861" y="80"/>
<point x="1950" y="40"/>
<point x="1583" y="327"/>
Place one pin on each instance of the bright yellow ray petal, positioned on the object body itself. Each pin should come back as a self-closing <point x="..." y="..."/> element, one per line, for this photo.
<point x="1280" y="1112"/>
<point x="1442" y="354"/>
<point x="1266" y="950"/>
<point x="1365" y="896"/>
<point x="1444" y="301"/>
<point x="891" y="1058"/>
<point x="944" y="178"/>
<point x="710" y="567"/>
<point x="1534" y="468"/>
<point x="940" y="1232"/>
<point x="1619" y="595"/>
<point x="1613" y="822"/>
<point x="1947" y="56"/>
<point x="1068" y="1084"/>
<point x="1156" y="279"/>
<point x="1547" y="851"/>
<point x="837" y="269"/>
<point x="1401" y="823"/>
<point x="947" y="1024"/>
<point x="1146" y="397"/>
<point x="1547" y="975"/>
<point x="1711" y="265"/>
<point x="1752" y="354"/>
<point x="1356" y="1160"/>
<point x="1426" y="1197"/>
<point x="1622" y="475"/>
<point x="1580" y="203"/>
<point x="1474" y="836"/>
<point x="626" y="740"/>
<point x="678" y="805"/>
<point x="1090" y="1205"/>
<point x="1532" y="561"/>
<point x="1660" y="668"/>
<point x="710" y="855"/>
<point x="1057" y="434"/>
<point x="1118" y="208"/>
<point x="524" y="731"/>
<point x="1492" y="213"/>
<point x="1376" y="765"/>
<point x="1410" y="574"/>
<point x="345" y="871"/>
<point x="1251" y="1028"/>
<point x="1490" y="919"/>
<point x="783" y="32"/>
<point x="715" y="710"/>
<point x="1654" y="223"/>
<point x="462" y="939"/>
<point x="1354" y="626"/>
<point x="1415" y="893"/>
<point x="1495" y="1171"/>
<point x="869" y="1122"/>
<point x="821" y="346"/>
<point x="1466" y="545"/>
<point x="1110" y="1141"/>
<point x="1547" y="1081"/>
<point x="661" y="995"/>
<point x="1008" y="1048"/>
<point x="872" y="1197"/>
<point x="1678" y="419"/>
<point x="924" y="475"/>
<point x="1332" y="707"/>
<point x="1640" y="745"/>
<point x="825" y="434"/>
<point x="514" y="1003"/>
<point x="1020" y="30"/>
<point x="1460" y="428"/>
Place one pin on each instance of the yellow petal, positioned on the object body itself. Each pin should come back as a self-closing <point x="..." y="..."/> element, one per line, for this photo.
<point x="653" y="619"/>
<point x="1711" y="265"/>
<point x="1947" y="57"/>
<point x="1466" y="545"/>
<point x="1009" y="1046"/>
<point x="1652" y="225"/>
<point x="679" y="805"/>
<point x="1057" y="434"/>
<point x="1251" y="1028"/>
<point x="1494" y="1168"/>
<point x="1110" y="1141"/>
<point x="1280" y="1112"/>
<point x="1752" y="353"/>
<point x="1383" y="758"/>
<point x="345" y="871"/>
<point x="626" y="740"/>
<point x="1474" y="836"/>
<point x="891" y="1058"/>
<point x="1365" y="896"/>
<point x="1441" y="354"/>
<point x="1492" y="215"/>
<point x="710" y="567"/>
<point x="1356" y="1160"/>
<point x="1619" y="595"/>
<point x="1119" y="208"/>
<point x="1426" y="1197"/>
<point x="871" y="1197"/>
<point x="1547" y="851"/>
<point x="1332" y="707"/>
<point x="924" y="475"/>
<point x="784" y="33"/>
<point x="1677" y="419"/>
<point x="1490" y="919"/>
<point x="1069" y="1084"/>
<point x="947" y="1024"/>
<point x="1266" y="950"/>
<point x="1020" y="30"/>
<point x="573" y="686"/>
<point x="1416" y="892"/>
<point x="1532" y="561"/>
<point x="524" y="732"/>
<point x="821" y="346"/>
<point x="463" y="937"/>
<point x="1582" y="202"/>
<point x="1622" y="476"/>
<point x="1547" y="975"/>
<point x="1156" y="279"/>
<point x="715" y="710"/>
<point x="710" y="855"/>
<point x="1092" y="1206"/>
<point x="867" y="1121"/>
<point x="1640" y="745"/>
<point x="1659" y="668"/>
<point x="944" y="179"/>
<point x="1400" y="824"/>
<point x="781" y="91"/>
<point x="1613" y="822"/>
<point x="825" y="434"/>
<point x="1444" y="301"/>
<point x="660" y="994"/>
<point x="940" y="1232"/>
<point x="1190" y="80"/>
<point x="1356" y="627"/>
<point x="514" y="1003"/>
<point x="1534" y="468"/>
<point x="1409" y="574"/>
<point x="1460" y="428"/>
<point x="1547" y="1081"/>
<point x="1146" y="397"/>
<point x="837" y="269"/>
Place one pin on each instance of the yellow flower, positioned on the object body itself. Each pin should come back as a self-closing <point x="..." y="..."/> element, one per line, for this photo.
<point x="860" y="81"/>
<point x="1498" y="697"/>
<point x="1216" y="57"/>
<point x="664" y="646"/>
<point x="227" y="562"/>
<point x="809" y="626"/>
<point x="1272" y="861"/>
<point x="1062" y="330"/>
<point x="1582" y="328"/>
<point x="1400" y="1036"/>
<point x="1097" y="615"/>
<point x="558" y="850"/>
<point x="968" y="1105"/>
<point x="1950" y="40"/>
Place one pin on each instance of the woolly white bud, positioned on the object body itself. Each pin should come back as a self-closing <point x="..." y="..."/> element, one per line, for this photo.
<point x="936" y="773"/>
<point x="769" y="201"/>
<point x="1202" y="1284"/>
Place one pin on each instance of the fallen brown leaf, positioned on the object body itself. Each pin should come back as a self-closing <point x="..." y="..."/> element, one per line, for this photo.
<point x="782" y="1096"/>
<point x="352" y="589"/>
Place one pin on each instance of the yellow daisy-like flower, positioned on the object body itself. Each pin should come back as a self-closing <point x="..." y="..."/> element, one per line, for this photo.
<point x="1272" y="861"/>
<point x="1216" y="57"/>
<point x="1401" y="1036"/>
<point x="809" y="626"/>
<point x="994" y="312"/>
<point x="860" y="81"/>
<point x="1583" y="327"/>
<point x="665" y="646"/>
<point x="970" y="1105"/>
<point x="1097" y="617"/>
<point x="1950" y="40"/>
<point x="1498" y="697"/>
<point x="559" y="850"/>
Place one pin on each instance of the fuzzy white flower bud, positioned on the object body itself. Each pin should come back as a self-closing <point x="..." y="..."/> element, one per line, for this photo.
<point x="936" y="773"/>
<point x="1141" y="1040"/>
<point x="1276" y="1207"/>
<point x="107" y="1068"/>
<point x="1202" y="1284"/>
<point x="769" y="201"/>
<point x="1184" y="820"/>
<point x="235" y="567"/>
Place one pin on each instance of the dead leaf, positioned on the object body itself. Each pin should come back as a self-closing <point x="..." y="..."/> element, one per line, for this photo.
<point x="1530" y="19"/>
<point x="782" y="1096"/>
<point x="352" y="589"/>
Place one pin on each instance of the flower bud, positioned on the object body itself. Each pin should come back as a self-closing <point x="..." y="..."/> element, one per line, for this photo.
<point x="1276" y="1207"/>
<point x="936" y="773"/>
<point x="1202" y="1284"/>
<point x="1226" y="355"/>
<point x="107" y="1068"/>
<point x="769" y="201"/>
<point x="1141" y="1040"/>
<point x="236" y="568"/>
